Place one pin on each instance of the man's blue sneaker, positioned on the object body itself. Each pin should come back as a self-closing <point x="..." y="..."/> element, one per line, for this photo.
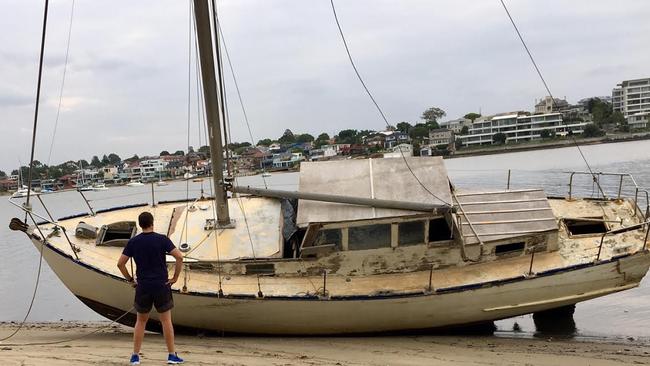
<point x="135" y="359"/>
<point x="173" y="359"/>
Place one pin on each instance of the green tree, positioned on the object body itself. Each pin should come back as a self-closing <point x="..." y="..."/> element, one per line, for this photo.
<point x="464" y="130"/>
<point x="83" y="163"/>
<point x="404" y="127"/>
<point x="419" y="132"/>
<point x="114" y="158"/>
<point x="265" y="142"/>
<point x="238" y="145"/>
<point x="472" y="116"/>
<point x="323" y="137"/>
<point x="305" y="137"/>
<point x="349" y="136"/>
<point x="600" y="110"/>
<point x="164" y="153"/>
<point x="287" y="137"/>
<point x="205" y="150"/>
<point x="95" y="162"/>
<point x="618" y="119"/>
<point x="179" y="153"/>
<point x="105" y="160"/>
<point x="499" y="138"/>
<point x="432" y="115"/>
<point x="545" y="134"/>
<point x="591" y="130"/>
<point x="3" y="174"/>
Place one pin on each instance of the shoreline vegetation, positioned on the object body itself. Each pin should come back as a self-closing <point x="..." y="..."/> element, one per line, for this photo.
<point x="111" y="344"/>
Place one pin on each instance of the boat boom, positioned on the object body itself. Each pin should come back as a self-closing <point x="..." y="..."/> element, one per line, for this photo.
<point x="360" y="201"/>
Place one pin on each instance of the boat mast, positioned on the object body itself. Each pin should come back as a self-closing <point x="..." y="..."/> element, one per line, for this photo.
<point x="212" y="107"/>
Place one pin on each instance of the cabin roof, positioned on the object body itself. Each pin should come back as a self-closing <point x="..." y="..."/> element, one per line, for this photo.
<point x="388" y="179"/>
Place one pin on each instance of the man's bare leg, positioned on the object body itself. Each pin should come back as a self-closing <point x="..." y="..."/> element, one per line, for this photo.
<point x="138" y="331"/>
<point x="168" y="329"/>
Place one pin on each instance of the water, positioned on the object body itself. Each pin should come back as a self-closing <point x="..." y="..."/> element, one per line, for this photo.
<point x="615" y="316"/>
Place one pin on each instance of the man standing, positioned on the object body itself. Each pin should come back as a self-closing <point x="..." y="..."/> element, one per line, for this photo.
<point x="152" y="286"/>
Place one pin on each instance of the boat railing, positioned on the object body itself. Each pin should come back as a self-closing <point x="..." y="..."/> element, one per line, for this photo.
<point x="644" y="225"/>
<point x="639" y="192"/>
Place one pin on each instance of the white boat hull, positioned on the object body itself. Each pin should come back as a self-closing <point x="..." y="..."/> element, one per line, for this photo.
<point x="111" y="296"/>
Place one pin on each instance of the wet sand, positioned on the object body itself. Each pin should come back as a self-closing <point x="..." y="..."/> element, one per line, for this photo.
<point x="111" y="345"/>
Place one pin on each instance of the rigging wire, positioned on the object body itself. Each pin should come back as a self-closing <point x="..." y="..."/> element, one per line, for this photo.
<point x="38" y="99"/>
<point x="73" y="338"/>
<point x="189" y="114"/>
<point x="31" y="167"/>
<point x="548" y="90"/>
<point x="238" y="198"/>
<point x="372" y="98"/>
<point x="31" y="302"/>
<point x="65" y="69"/>
<point x="234" y="79"/>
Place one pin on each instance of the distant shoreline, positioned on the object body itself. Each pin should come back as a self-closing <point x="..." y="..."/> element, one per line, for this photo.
<point x="503" y="149"/>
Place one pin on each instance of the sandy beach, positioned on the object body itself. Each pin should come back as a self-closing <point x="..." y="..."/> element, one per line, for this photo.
<point x="111" y="345"/>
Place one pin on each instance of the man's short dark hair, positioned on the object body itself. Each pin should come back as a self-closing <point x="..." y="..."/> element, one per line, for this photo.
<point x="145" y="220"/>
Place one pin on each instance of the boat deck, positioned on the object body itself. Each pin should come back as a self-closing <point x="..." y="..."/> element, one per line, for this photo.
<point x="573" y="251"/>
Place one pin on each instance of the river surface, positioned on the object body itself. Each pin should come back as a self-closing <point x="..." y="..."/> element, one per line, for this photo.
<point x="625" y="314"/>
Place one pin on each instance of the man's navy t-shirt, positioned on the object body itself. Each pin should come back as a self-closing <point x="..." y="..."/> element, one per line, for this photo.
<point x="148" y="250"/>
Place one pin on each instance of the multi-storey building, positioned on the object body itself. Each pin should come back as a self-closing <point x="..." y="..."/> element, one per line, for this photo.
<point x="441" y="136"/>
<point x="632" y="98"/>
<point x="549" y="105"/>
<point x="151" y="169"/>
<point x="517" y="127"/>
<point x="456" y="125"/>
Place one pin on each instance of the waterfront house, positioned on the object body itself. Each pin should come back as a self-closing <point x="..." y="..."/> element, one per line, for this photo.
<point x="394" y="138"/>
<point x="518" y="127"/>
<point x="399" y="151"/>
<point x="286" y="160"/>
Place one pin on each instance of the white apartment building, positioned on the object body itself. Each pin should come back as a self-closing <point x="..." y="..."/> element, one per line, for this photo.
<point x="632" y="98"/>
<point x="518" y="127"/>
<point x="151" y="169"/>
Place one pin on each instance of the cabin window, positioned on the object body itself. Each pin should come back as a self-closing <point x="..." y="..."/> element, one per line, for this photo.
<point x="369" y="237"/>
<point x="260" y="268"/>
<point x="581" y="226"/>
<point x="509" y="248"/>
<point x="328" y="236"/>
<point x="439" y="230"/>
<point x="410" y="233"/>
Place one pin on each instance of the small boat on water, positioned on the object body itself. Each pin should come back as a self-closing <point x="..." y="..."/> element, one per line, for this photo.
<point x="188" y="175"/>
<point x="161" y="183"/>
<point x="197" y="180"/>
<point x="20" y="192"/>
<point x="266" y="174"/>
<point x="99" y="187"/>
<point x="135" y="183"/>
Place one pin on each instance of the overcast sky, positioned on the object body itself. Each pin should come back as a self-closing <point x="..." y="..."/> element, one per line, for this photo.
<point x="127" y="76"/>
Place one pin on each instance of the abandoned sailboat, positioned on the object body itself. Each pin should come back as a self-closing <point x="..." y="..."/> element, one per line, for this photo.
<point x="353" y="253"/>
